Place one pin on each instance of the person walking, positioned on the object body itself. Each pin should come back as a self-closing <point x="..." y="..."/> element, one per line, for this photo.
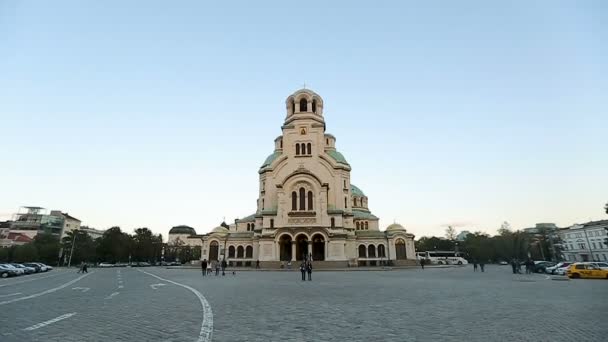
<point x="224" y="265"/>
<point x="204" y="267"/>
<point x="514" y="266"/>
<point x="309" y="269"/>
<point x="85" y="268"/>
<point x="257" y="264"/>
<point x="481" y="266"/>
<point x="217" y="268"/>
<point x="303" y="270"/>
<point x="81" y="267"/>
<point x="422" y="263"/>
<point x="474" y="265"/>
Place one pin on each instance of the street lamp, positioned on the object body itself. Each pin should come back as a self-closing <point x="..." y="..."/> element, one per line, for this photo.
<point x="72" y="249"/>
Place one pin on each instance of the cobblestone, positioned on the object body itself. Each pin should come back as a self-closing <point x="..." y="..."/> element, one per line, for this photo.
<point x="405" y="305"/>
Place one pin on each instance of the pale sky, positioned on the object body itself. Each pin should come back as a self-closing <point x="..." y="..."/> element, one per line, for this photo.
<point x="155" y="113"/>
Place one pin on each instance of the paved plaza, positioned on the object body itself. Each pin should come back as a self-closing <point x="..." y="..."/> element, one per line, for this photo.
<point x="442" y="304"/>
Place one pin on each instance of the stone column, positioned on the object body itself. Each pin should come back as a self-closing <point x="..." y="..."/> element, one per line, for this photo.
<point x="293" y="251"/>
<point x="309" y="249"/>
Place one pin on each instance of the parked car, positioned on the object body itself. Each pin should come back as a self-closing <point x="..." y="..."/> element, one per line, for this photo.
<point x="34" y="265"/>
<point x="105" y="264"/>
<point x="43" y="267"/>
<point x="5" y="273"/>
<point x="552" y="269"/>
<point x="541" y="266"/>
<point x="9" y="271"/>
<point x="586" y="270"/>
<point x="19" y="271"/>
<point x="503" y="263"/>
<point x="27" y="269"/>
<point x="562" y="270"/>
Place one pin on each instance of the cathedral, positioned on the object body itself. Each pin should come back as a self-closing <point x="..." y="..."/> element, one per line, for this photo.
<point x="307" y="207"/>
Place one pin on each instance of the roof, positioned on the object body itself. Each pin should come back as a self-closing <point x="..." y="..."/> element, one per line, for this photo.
<point x="370" y="233"/>
<point x="182" y="230"/>
<point x="356" y="191"/>
<point x="220" y="230"/>
<point x="395" y="226"/>
<point x="248" y="218"/>
<point x="360" y="214"/>
<point x="270" y="159"/>
<point x="595" y="223"/>
<point x="337" y="156"/>
<point x="19" y="237"/>
<point x="66" y="215"/>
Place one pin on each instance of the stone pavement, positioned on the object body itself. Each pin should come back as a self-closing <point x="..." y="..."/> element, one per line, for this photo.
<point x="447" y="304"/>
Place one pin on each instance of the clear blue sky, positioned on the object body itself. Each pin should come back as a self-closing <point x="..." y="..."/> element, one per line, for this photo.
<point x="156" y="113"/>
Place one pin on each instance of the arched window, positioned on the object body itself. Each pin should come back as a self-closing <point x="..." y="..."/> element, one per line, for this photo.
<point x="381" y="251"/>
<point x="303" y="148"/>
<point x="327" y="142"/>
<point x="231" y="252"/>
<point x="366" y="225"/>
<point x="345" y="202"/>
<point x="281" y="143"/>
<point x="333" y="222"/>
<point x="314" y="106"/>
<point x="358" y="225"/>
<point x="354" y="202"/>
<point x="302" y="199"/>
<point x="262" y="204"/>
<point x="248" y="226"/>
<point x="271" y="223"/>
<point x="240" y="252"/>
<point x="294" y="201"/>
<point x="248" y="252"/>
<point x="297" y="149"/>
<point x="362" y="251"/>
<point x="252" y="226"/>
<point x="303" y="105"/>
<point x="400" y="249"/>
<point x="310" y="200"/>
<point x="371" y="251"/>
<point x="293" y="106"/>
<point x="309" y="148"/>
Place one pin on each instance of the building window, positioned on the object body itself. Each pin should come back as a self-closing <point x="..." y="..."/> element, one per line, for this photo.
<point x="231" y="252"/>
<point x="248" y="226"/>
<point x="240" y="252"/>
<point x="366" y="225"/>
<point x="271" y="223"/>
<point x="327" y="142"/>
<point x="297" y="149"/>
<point x="604" y="255"/>
<point x="303" y="105"/>
<point x="294" y="201"/>
<point x="345" y="184"/>
<point x="252" y="226"/>
<point x="357" y="225"/>
<point x="381" y="251"/>
<point x="362" y="251"/>
<point x="302" y="199"/>
<point x="262" y="204"/>
<point x="310" y="200"/>
<point x="281" y="143"/>
<point x="314" y="106"/>
<point x="371" y="251"/>
<point x="571" y="246"/>
<point x="249" y="252"/>
<point x="345" y="203"/>
<point x="333" y="222"/>
<point x="309" y="145"/>
<point x="593" y="244"/>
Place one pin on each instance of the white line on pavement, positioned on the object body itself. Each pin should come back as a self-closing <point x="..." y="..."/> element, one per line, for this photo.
<point x="31" y="278"/>
<point x="10" y="295"/>
<point x="207" y="324"/>
<point x="50" y="321"/>
<point x="120" y="286"/>
<point x="112" y="295"/>
<point x="45" y="292"/>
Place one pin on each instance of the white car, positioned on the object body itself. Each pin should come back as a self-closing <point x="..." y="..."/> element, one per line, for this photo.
<point x="105" y="264"/>
<point x="552" y="269"/>
<point x="561" y="270"/>
<point x="18" y="271"/>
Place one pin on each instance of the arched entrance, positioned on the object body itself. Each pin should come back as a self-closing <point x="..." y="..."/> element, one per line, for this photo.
<point x="285" y="247"/>
<point x="301" y="247"/>
<point x="318" y="247"/>
<point x="214" y="251"/>
<point x="400" y="249"/>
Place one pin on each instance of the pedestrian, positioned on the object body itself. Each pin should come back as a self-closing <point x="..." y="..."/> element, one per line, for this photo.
<point x="518" y="266"/>
<point x="80" y="268"/>
<point x="481" y="265"/>
<point x="85" y="268"/>
<point x="257" y="264"/>
<point x="204" y="267"/>
<point x="303" y="270"/>
<point x="224" y="265"/>
<point x="217" y="268"/>
<point x="422" y="263"/>
<point x="513" y="266"/>
<point x="309" y="269"/>
<point x="474" y="265"/>
<point x="209" y="268"/>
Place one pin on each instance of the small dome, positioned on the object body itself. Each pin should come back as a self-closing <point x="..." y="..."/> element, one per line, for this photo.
<point x="182" y="230"/>
<point x="356" y="191"/>
<point x="395" y="227"/>
<point x="220" y="230"/>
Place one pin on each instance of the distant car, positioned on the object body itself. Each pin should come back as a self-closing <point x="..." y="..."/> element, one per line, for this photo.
<point x="552" y="269"/>
<point x="503" y="263"/>
<point x="105" y="264"/>
<point x="34" y="266"/>
<point x="43" y="267"/>
<point x="541" y="266"/>
<point x="143" y="264"/>
<point x="26" y="269"/>
<point x="586" y="271"/>
<point x="49" y="268"/>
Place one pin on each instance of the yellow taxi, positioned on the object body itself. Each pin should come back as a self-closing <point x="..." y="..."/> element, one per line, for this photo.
<point x="586" y="270"/>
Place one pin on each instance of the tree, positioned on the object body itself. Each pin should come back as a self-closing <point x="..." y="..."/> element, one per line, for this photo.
<point x="47" y="246"/>
<point x="505" y="228"/>
<point x="25" y="253"/>
<point x="606" y="208"/>
<point x="114" y="246"/>
<point x="84" y="247"/>
<point x="146" y="246"/>
<point x="432" y="243"/>
<point x="450" y="233"/>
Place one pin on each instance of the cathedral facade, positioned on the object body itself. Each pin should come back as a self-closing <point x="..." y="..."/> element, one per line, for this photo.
<point x="307" y="207"/>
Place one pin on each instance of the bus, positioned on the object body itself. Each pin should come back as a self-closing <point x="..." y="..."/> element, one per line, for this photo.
<point x="442" y="257"/>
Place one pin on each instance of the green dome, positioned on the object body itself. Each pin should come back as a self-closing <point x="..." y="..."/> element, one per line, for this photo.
<point x="356" y="191"/>
<point x="220" y="230"/>
<point x="394" y="227"/>
<point x="270" y="159"/>
<point x="182" y="230"/>
<point x="338" y="157"/>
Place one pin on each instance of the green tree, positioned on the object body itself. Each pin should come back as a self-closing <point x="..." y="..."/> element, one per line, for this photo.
<point x="114" y="246"/>
<point x="432" y="243"/>
<point x="450" y="233"/>
<point x="84" y="247"/>
<point x="25" y="253"/>
<point x="146" y="246"/>
<point x="47" y="246"/>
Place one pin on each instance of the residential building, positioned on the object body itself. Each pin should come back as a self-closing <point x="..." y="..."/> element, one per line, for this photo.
<point x="93" y="233"/>
<point x="585" y="242"/>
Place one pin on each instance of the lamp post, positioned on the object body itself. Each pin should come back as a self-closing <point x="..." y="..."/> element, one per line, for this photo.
<point x="72" y="249"/>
